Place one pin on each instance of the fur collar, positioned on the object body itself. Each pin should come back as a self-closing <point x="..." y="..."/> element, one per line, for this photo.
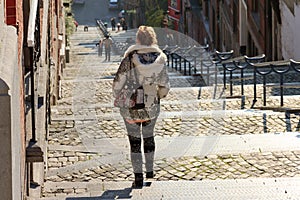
<point x="142" y="49"/>
<point x="151" y="69"/>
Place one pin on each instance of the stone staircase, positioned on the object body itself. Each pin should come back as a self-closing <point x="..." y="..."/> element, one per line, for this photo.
<point x="87" y="138"/>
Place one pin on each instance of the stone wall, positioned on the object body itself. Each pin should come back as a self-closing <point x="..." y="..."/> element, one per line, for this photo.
<point x="11" y="152"/>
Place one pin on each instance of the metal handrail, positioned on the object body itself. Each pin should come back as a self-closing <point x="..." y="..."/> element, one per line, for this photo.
<point x="281" y="68"/>
<point x="186" y="56"/>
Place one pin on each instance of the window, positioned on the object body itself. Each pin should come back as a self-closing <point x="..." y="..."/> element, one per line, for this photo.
<point x="10" y="12"/>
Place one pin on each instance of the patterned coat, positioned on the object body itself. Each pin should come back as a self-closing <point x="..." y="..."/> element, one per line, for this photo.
<point x="149" y="62"/>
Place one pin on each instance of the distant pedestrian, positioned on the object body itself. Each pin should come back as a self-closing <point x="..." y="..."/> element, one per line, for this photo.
<point x="113" y="23"/>
<point x="76" y="25"/>
<point x="124" y="26"/>
<point x="100" y="47"/>
<point x="119" y="26"/>
<point x="147" y="61"/>
<point x="123" y="23"/>
<point x="107" y="43"/>
<point x="121" y="14"/>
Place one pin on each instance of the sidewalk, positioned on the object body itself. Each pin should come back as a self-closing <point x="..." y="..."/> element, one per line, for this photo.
<point x="203" y="150"/>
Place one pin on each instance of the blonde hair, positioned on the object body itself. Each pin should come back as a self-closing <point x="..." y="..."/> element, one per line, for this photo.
<point x="146" y="35"/>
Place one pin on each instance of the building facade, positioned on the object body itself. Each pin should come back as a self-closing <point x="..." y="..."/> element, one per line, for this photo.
<point x="290" y="27"/>
<point x="12" y="123"/>
<point x="32" y="58"/>
<point x="250" y="27"/>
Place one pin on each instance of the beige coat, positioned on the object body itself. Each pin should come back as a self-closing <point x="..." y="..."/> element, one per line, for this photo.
<point x="149" y="62"/>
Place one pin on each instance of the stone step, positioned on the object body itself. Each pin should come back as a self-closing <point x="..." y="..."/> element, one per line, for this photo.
<point x="83" y="106"/>
<point x="204" y="158"/>
<point x="238" y="189"/>
<point x="172" y="124"/>
<point x="98" y="90"/>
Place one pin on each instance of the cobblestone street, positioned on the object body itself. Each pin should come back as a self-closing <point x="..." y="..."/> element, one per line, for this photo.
<point x="198" y="139"/>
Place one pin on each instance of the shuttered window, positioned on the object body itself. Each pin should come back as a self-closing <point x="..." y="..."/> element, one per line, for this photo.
<point x="11" y="14"/>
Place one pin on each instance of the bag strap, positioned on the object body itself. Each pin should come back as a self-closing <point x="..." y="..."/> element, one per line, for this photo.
<point x="134" y="72"/>
<point x="133" y="68"/>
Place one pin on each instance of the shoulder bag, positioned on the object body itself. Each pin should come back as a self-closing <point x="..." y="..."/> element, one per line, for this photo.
<point x="132" y="94"/>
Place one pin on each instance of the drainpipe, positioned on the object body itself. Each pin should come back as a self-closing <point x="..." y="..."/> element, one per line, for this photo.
<point x="31" y="44"/>
<point x="34" y="153"/>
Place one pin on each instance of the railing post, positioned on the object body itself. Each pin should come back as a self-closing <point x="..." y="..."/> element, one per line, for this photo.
<point x="184" y="71"/>
<point x="281" y="89"/>
<point x="242" y="81"/>
<point x="281" y="71"/>
<point x="254" y="87"/>
<point x="264" y="91"/>
<point x="179" y="63"/>
<point x="224" y="77"/>
<point x="231" y="84"/>
<point x="195" y="65"/>
<point x="251" y="61"/>
<point x="221" y="56"/>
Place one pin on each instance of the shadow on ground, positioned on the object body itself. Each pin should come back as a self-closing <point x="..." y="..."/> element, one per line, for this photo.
<point x="109" y="194"/>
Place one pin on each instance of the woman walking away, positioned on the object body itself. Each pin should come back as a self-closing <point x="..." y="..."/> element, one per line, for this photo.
<point x="147" y="62"/>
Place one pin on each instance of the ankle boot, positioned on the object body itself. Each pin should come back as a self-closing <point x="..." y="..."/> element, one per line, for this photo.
<point x="138" y="180"/>
<point x="149" y="174"/>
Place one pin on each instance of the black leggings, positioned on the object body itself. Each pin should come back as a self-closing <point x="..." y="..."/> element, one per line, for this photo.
<point x="135" y="133"/>
<point x="135" y="144"/>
